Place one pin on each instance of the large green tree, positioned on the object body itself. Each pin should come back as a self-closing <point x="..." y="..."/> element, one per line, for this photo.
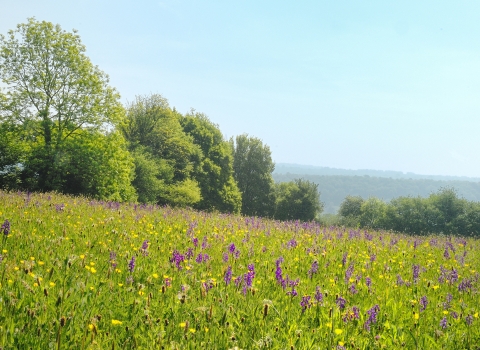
<point x="165" y="156"/>
<point x="53" y="94"/>
<point x="215" y="174"/>
<point x="253" y="168"/>
<point x="297" y="200"/>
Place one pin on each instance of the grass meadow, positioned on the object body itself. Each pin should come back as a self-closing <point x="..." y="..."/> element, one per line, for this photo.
<point x="82" y="274"/>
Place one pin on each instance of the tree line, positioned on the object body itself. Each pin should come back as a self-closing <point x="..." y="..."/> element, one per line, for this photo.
<point x="63" y="128"/>
<point x="334" y="188"/>
<point x="442" y="212"/>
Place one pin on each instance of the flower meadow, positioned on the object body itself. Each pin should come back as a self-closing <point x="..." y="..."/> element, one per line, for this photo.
<point x="83" y="274"/>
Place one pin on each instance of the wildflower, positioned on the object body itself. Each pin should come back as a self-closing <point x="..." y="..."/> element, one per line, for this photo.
<point x="177" y="258"/>
<point x="368" y="282"/>
<point x="231" y="248"/>
<point x="353" y="289"/>
<point x="144" y="248"/>
<point x="444" y="323"/>
<point x="278" y="271"/>
<point x="446" y="255"/>
<point x="416" y="273"/>
<point x="116" y="322"/>
<point x="236" y="254"/>
<point x="344" y="258"/>
<point x="469" y="320"/>
<point x="349" y="273"/>
<point x="448" y="299"/>
<point x="454" y="315"/>
<point x="228" y="276"/>
<point x="113" y="258"/>
<point x="305" y="303"/>
<point x="5" y="228"/>
<point x="372" y="316"/>
<point x="225" y="257"/>
<point x="292" y="243"/>
<point x="292" y="293"/>
<point x="313" y="269"/>
<point x="423" y="303"/>
<point x="464" y="285"/>
<point x="318" y="295"/>
<point x="341" y="303"/>
<point x="131" y="264"/>
<point x="251" y="268"/>
<point x="400" y="281"/>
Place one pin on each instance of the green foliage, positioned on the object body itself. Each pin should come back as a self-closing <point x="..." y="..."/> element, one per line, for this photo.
<point x="297" y="200"/>
<point x="443" y="212"/>
<point x="372" y="213"/>
<point x="13" y="151"/>
<point x="335" y="188"/>
<point x="165" y="156"/>
<point x="50" y="81"/>
<point x="351" y="210"/>
<point x="218" y="187"/>
<point x="63" y="110"/>
<point x="253" y="167"/>
<point x="92" y="164"/>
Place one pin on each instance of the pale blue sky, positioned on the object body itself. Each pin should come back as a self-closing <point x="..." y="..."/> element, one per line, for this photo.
<point x="349" y="84"/>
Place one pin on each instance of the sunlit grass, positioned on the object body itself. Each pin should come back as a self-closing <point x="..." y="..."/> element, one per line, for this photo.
<point x="82" y="274"/>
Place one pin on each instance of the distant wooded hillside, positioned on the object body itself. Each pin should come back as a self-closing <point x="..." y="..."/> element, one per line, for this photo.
<point x="335" y="188"/>
<point x="283" y="168"/>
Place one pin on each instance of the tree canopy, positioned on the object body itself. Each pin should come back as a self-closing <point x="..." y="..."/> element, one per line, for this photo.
<point x="253" y="167"/>
<point x="54" y="96"/>
<point x="297" y="200"/>
<point x="165" y="156"/>
<point x="215" y="175"/>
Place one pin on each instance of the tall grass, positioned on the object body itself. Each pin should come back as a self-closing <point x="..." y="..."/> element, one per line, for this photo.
<point x="103" y="275"/>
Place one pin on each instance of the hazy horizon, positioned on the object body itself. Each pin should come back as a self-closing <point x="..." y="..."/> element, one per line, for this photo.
<point x="377" y="85"/>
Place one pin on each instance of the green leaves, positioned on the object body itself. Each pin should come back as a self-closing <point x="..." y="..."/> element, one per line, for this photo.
<point x="253" y="167"/>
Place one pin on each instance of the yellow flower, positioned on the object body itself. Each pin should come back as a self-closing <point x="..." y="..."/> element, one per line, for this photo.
<point x="192" y="330"/>
<point x="341" y="343"/>
<point x="92" y="270"/>
<point x="155" y="275"/>
<point x="141" y="292"/>
<point x="4" y="251"/>
<point x="82" y="256"/>
<point x="416" y="315"/>
<point x="338" y="331"/>
<point x="116" y="322"/>
<point x="92" y="263"/>
<point x="90" y="327"/>
<point x="206" y="329"/>
<point x="476" y="315"/>
<point x="41" y="263"/>
<point x="445" y="312"/>
<point x="52" y="284"/>
<point x="436" y="287"/>
<point x="183" y="324"/>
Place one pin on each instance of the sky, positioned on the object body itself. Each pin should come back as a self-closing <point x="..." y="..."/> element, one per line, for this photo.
<point x="385" y="85"/>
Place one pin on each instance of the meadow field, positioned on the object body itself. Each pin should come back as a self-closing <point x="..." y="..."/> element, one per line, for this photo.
<point x="82" y="274"/>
